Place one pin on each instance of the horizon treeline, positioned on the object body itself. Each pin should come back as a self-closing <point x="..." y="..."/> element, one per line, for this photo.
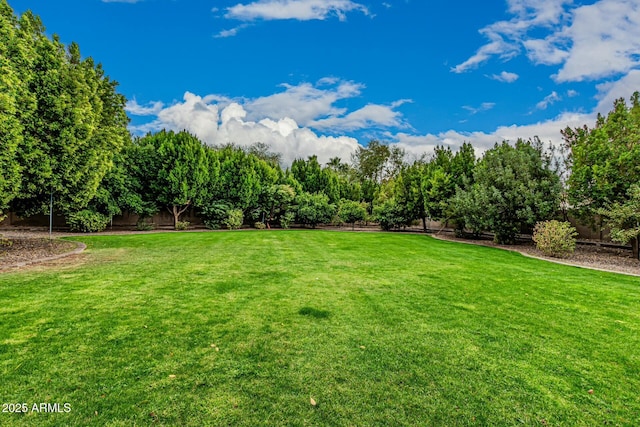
<point x="65" y="143"/>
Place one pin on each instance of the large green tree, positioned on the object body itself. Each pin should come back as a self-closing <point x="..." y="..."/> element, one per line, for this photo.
<point x="604" y="160"/>
<point x="172" y="171"/>
<point x="12" y="90"/>
<point x="72" y="121"/>
<point x="514" y="188"/>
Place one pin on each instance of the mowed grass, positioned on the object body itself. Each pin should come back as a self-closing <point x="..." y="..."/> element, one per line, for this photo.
<point x="245" y="328"/>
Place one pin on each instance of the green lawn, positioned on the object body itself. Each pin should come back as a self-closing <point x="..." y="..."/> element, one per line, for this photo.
<point x="244" y="328"/>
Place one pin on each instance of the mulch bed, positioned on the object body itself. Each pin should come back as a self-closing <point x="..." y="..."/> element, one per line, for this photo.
<point x="27" y="249"/>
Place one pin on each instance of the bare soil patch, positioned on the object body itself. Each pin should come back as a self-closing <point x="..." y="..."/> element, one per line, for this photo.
<point x="587" y="256"/>
<point x="28" y="249"/>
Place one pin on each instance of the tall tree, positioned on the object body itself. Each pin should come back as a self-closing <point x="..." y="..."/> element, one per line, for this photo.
<point x="514" y="188"/>
<point x="12" y="89"/>
<point x="73" y="122"/>
<point x="173" y="171"/>
<point x="605" y="160"/>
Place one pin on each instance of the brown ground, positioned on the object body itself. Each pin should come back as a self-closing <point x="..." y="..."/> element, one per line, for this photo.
<point x="30" y="246"/>
<point x="588" y="256"/>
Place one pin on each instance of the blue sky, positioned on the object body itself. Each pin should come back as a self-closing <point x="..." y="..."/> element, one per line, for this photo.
<point x="322" y="76"/>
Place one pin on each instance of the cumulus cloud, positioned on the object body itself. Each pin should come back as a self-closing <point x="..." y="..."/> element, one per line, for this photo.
<point x="548" y="132"/>
<point x="505" y="77"/>
<point x="287" y="121"/>
<point x="302" y="10"/>
<point x="305" y="102"/>
<point x="587" y="41"/>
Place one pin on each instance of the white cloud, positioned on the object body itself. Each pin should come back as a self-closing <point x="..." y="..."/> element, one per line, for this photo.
<point x="485" y="106"/>
<point x="587" y="41"/>
<point x="153" y="108"/>
<point x="369" y="116"/>
<point x="610" y="91"/>
<point x="302" y="10"/>
<point x="604" y="40"/>
<point x="231" y="32"/>
<point x="285" y="120"/>
<point x="548" y="132"/>
<point x="505" y="77"/>
<point x="572" y="93"/>
<point x="305" y="102"/>
<point x="550" y="99"/>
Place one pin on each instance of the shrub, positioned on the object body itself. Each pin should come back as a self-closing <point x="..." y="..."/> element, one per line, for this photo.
<point x="314" y="209"/>
<point x="287" y="219"/>
<point x="215" y="215"/>
<point x="143" y="225"/>
<point x="234" y="219"/>
<point x="390" y="215"/>
<point x="350" y="211"/>
<point x="555" y="238"/>
<point x="87" y="221"/>
<point x="182" y="225"/>
<point x="260" y="225"/>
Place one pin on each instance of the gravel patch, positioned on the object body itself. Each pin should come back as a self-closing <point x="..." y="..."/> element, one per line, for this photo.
<point x="587" y="256"/>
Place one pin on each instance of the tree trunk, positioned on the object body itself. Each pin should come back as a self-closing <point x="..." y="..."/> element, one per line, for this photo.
<point x="634" y="245"/>
<point x="176" y="211"/>
<point x="424" y="224"/>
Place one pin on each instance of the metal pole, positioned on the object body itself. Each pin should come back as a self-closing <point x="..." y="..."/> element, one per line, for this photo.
<point x="51" y="215"/>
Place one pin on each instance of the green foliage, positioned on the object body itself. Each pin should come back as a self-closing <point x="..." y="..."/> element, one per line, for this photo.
<point x="514" y="188"/>
<point x="214" y="215"/>
<point x="555" y="238"/>
<point x="350" y="212"/>
<point x="287" y="219"/>
<point x="390" y="215"/>
<point x="259" y="225"/>
<point x="171" y="171"/>
<point x="443" y="175"/>
<point x="143" y="225"/>
<point x="73" y="122"/>
<point x="12" y="87"/>
<point x="624" y="219"/>
<point x="277" y="200"/>
<point x="234" y="219"/>
<point x="314" y="209"/>
<point x="605" y="160"/>
<point x="182" y="225"/>
<point x="87" y="221"/>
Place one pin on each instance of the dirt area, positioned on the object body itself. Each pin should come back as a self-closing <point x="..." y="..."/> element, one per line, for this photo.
<point x="33" y="246"/>
<point x="588" y="256"/>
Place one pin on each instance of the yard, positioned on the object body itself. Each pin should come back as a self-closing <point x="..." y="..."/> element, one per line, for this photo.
<point x="316" y="328"/>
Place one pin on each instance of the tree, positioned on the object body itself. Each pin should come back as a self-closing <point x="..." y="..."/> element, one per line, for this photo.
<point x="73" y="122"/>
<point x="605" y="160"/>
<point x="11" y="129"/>
<point x="443" y="175"/>
<point x="624" y="219"/>
<point x="173" y="170"/>
<point x="279" y="200"/>
<point x="314" y="209"/>
<point x="408" y="192"/>
<point x="390" y="214"/>
<point x="514" y="188"/>
<point x="350" y="211"/>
